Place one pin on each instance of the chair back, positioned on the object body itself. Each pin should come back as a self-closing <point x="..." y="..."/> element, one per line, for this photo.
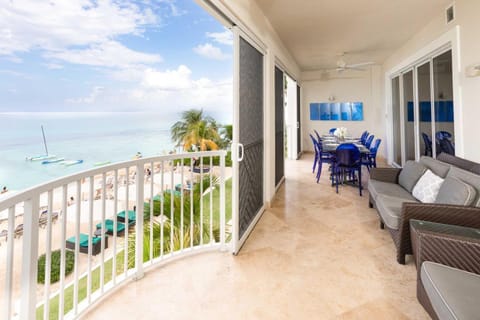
<point x="428" y="144"/>
<point x="318" y="135"/>
<point x="376" y="145"/>
<point x="332" y="130"/>
<point x="363" y="137"/>
<point x="440" y="135"/>
<point x="447" y="146"/>
<point x="368" y="143"/>
<point x="347" y="155"/>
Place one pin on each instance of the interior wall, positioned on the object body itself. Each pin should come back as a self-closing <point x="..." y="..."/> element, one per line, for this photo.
<point x="466" y="17"/>
<point x="364" y="86"/>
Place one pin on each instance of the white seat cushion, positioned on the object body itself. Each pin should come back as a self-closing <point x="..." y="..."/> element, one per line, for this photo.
<point x="427" y="187"/>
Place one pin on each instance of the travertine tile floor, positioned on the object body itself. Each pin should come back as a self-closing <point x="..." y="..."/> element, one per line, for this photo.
<point x="313" y="255"/>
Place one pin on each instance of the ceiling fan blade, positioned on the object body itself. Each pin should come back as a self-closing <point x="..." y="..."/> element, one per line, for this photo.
<point x="354" y="68"/>
<point x="362" y="64"/>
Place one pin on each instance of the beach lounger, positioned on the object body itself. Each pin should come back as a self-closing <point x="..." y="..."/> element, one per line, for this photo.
<point x="131" y="217"/>
<point x="109" y="227"/>
<point x="96" y="243"/>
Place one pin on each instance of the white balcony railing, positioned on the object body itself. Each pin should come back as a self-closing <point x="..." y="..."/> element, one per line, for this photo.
<point x="183" y="208"/>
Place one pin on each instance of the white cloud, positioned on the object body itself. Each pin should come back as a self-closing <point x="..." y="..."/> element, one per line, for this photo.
<point x="225" y="37"/>
<point x="209" y="51"/>
<point x="53" y="66"/>
<point x="107" y="54"/>
<point x="55" y="25"/>
<point x="90" y="99"/>
<point x="167" y="80"/>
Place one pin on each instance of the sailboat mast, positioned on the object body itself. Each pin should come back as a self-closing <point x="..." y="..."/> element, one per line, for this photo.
<point x="44" y="141"/>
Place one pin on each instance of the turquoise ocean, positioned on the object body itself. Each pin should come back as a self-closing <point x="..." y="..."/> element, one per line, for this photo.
<point x="91" y="137"/>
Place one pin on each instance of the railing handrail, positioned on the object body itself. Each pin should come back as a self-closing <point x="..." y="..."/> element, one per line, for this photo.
<point x="26" y="194"/>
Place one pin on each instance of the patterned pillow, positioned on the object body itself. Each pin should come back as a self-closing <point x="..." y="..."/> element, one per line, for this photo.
<point x="427" y="187"/>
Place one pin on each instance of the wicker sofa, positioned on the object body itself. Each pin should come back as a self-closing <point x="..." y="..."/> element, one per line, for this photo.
<point x="396" y="205"/>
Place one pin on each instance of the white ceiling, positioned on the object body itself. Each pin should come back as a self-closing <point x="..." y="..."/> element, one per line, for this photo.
<point x="316" y="31"/>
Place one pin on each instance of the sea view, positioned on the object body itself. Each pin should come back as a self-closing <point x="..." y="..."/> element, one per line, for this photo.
<point x="91" y="137"/>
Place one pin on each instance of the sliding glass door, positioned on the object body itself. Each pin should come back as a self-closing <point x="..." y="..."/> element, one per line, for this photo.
<point x="423" y="109"/>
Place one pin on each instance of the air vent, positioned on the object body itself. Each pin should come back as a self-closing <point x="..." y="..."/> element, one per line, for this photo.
<point x="450" y="14"/>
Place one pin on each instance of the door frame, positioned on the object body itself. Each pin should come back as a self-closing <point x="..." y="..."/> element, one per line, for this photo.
<point x="238" y="242"/>
<point x="448" y="41"/>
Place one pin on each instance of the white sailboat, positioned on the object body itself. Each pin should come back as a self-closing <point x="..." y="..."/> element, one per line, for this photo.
<point x="45" y="156"/>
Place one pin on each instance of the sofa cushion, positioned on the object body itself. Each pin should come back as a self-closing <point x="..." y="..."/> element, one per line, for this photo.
<point x="452" y="292"/>
<point x="470" y="178"/>
<point x="454" y="191"/>
<point x="427" y="187"/>
<point x="411" y="172"/>
<point x="390" y="209"/>
<point x="438" y="167"/>
<point x="376" y="187"/>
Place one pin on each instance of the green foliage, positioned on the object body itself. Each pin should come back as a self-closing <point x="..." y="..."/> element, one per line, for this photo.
<point x="55" y="266"/>
<point x="195" y="131"/>
<point x="206" y="161"/>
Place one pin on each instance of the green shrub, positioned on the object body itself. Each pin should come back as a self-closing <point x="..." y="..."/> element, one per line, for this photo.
<point x="206" y="161"/>
<point x="55" y="266"/>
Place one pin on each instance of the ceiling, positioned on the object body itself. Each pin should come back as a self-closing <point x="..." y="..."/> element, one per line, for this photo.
<point x="317" y="31"/>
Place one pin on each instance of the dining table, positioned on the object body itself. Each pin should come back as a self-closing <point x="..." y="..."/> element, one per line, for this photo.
<point x="330" y="144"/>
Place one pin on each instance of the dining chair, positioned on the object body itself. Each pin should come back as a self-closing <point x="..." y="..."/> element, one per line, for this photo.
<point x="315" y="149"/>
<point x="324" y="157"/>
<point x="319" y="138"/>
<point x="363" y="137"/>
<point x="368" y="142"/>
<point x="347" y="162"/>
<point x="447" y="146"/>
<point x="332" y="130"/>
<point x="370" y="159"/>
<point x="428" y="144"/>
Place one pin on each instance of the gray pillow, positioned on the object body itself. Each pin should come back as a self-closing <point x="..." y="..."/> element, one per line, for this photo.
<point x="467" y="177"/>
<point x="438" y="167"/>
<point x="454" y="191"/>
<point x="411" y="172"/>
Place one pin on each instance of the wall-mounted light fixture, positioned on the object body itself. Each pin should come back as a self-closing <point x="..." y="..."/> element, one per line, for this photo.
<point x="473" y="71"/>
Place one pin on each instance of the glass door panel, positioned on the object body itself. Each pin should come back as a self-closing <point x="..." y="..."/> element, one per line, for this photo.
<point x="397" y="146"/>
<point x="443" y="106"/>
<point x="424" y="109"/>
<point x="409" y="116"/>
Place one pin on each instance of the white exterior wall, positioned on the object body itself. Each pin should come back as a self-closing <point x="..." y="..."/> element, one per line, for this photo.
<point x="467" y="17"/>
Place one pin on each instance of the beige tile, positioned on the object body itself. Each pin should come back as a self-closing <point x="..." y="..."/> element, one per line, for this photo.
<point x="314" y="254"/>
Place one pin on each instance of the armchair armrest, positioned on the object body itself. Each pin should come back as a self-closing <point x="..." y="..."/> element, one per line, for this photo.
<point x="451" y="250"/>
<point x="385" y="174"/>
<point x="433" y="212"/>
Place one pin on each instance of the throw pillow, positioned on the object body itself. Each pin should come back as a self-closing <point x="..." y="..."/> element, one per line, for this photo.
<point x="455" y="191"/>
<point x="427" y="187"/>
<point x="411" y="172"/>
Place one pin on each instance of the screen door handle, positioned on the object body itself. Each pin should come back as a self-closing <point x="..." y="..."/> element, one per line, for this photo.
<point x="240" y="147"/>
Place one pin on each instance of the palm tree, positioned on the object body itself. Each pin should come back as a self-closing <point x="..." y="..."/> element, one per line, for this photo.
<point x="195" y="131"/>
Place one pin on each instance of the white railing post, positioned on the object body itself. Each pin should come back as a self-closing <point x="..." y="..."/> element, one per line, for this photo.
<point x="139" y="222"/>
<point x="30" y="257"/>
<point x="222" y="201"/>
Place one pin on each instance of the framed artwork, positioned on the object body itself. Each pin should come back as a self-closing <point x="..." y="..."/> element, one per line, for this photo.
<point x="336" y="111"/>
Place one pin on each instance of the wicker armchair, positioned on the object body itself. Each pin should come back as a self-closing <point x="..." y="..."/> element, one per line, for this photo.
<point x="441" y="213"/>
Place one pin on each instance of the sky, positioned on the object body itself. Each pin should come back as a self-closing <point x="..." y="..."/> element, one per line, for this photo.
<point x="104" y="55"/>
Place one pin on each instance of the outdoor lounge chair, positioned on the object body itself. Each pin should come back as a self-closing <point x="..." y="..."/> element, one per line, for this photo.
<point x="131" y="217"/>
<point x="96" y="241"/>
<point x="109" y="227"/>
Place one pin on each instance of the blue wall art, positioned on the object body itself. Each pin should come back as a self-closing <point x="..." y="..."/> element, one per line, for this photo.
<point x="336" y="111"/>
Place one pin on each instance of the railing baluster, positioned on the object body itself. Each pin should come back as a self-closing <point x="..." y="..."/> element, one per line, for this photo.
<point x="172" y="206"/>
<point x="115" y="210"/>
<point x="48" y="256"/>
<point x="162" y="200"/>
<point x="191" y="202"/>
<point x="30" y="256"/>
<point x="222" y="201"/>
<point x="104" y="229"/>
<point x="61" y="304"/>
<point x="140" y="184"/>
<point x="212" y="240"/>
<point x="201" y="200"/>
<point x="77" y="246"/>
<point x="91" y="200"/>
<point x="181" y="208"/>
<point x="151" y="211"/>
<point x="125" y="244"/>
<point x="9" y="274"/>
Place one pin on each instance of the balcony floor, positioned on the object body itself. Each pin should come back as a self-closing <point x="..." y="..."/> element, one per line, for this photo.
<point x="313" y="255"/>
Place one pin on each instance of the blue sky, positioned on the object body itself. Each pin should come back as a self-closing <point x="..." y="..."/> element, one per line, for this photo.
<point x="86" y="55"/>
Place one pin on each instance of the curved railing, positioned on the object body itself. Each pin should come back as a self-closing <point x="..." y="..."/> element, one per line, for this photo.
<point x="93" y="218"/>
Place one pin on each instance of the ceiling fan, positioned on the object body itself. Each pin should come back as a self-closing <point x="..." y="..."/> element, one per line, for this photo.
<point x="342" y="65"/>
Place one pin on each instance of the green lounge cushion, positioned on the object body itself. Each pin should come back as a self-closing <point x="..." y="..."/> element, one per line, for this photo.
<point x="84" y="240"/>
<point x="410" y="174"/>
<point x="109" y="225"/>
<point x="455" y="191"/>
<point x="131" y="215"/>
